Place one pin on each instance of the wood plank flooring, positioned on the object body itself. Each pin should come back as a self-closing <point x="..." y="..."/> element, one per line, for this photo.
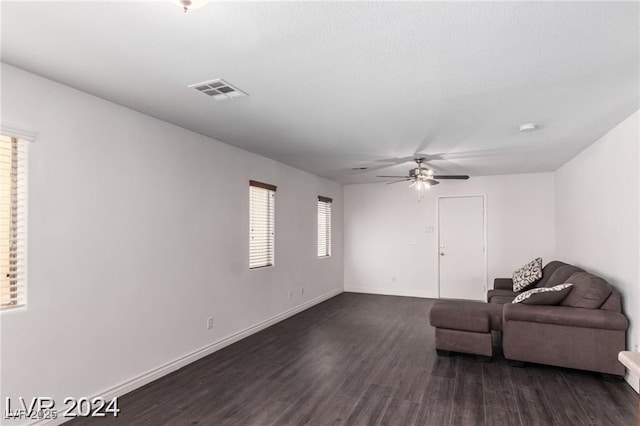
<point x="364" y="360"/>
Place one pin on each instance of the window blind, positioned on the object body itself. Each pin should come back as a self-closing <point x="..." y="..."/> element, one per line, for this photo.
<point x="262" y="199"/>
<point x="13" y="204"/>
<point x="324" y="226"/>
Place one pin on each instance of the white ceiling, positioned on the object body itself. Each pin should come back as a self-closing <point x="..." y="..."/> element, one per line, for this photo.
<point x="337" y="85"/>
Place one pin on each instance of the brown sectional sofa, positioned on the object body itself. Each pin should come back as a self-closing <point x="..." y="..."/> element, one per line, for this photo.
<point x="585" y="331"/>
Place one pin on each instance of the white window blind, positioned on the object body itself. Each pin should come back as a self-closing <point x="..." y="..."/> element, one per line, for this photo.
<point x="262" y="199"/>
<point x="324" y="227"/>
<point x="13" y="204"/>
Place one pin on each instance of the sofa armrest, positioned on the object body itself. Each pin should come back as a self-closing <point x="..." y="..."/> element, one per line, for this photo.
<point x="503" y="284"/>
<point x="564" y="315"/>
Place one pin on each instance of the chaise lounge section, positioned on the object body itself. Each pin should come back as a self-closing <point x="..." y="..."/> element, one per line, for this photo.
<point x="465" y="326"/>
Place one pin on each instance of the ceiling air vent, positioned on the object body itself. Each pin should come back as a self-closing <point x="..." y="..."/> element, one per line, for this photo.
<point x="219" y="90"/>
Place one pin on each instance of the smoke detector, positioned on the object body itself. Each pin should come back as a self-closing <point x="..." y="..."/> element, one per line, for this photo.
<point x="219" y="90"/>
<point x="528" y="127"/>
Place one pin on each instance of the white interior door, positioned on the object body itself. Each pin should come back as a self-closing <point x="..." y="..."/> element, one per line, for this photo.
<point x="462" y="247"/>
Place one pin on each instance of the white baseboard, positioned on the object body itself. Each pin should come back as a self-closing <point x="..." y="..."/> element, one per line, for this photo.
<point x="163" y="370"/>
<point x="632" y="380"/>
<point x="390" y="292"/>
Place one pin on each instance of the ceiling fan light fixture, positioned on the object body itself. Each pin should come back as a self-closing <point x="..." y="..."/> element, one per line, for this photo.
<point x="421" y="186"/>
<point x="187" y="5"/>
<point x="422" y="178"/>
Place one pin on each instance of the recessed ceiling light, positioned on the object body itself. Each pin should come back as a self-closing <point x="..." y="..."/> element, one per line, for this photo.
<point x="528" y="127"/>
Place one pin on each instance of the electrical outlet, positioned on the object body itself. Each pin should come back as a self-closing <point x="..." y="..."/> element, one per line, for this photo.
<point x="301" y="291"/>
<point x="290" y="294"/>
<point x="209" y="323"/>
<point x="393" y="279"/>
<point x="635" y="348"/>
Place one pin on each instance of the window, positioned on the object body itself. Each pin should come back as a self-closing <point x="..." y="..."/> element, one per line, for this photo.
<point x="12" y="222"/>
<point x="262" y="200"/>
<point x="324" y="227"/>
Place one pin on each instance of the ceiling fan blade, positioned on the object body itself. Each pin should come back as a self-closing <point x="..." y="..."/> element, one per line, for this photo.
<point x="427" y="157"/>
<point x="396" y="160"/>
<point x="433" y="182"/>
<point x="397" y="181"/>
<point x="370" y="167"/>
<point x="450" y="177"/>
<point x="406" y="177"/>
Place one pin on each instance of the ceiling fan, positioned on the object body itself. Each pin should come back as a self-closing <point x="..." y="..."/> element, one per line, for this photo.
<point x="422" y="177"/>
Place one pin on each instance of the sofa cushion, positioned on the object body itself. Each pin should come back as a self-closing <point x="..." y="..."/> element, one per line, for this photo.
<point x="497" y="292"/>
<point x="589" y="291"/>
<point x="613" y="302"/>
<point x="503" y="284"/>
<point x="457" y="315"/>
<point x="466" y="315"/>
<point x="566" y="316"/>
<point x="528" y="275"/>
<point x="544" y="295"/>
<point x="547" y="271"/>
<point x="501" y="300"/>
<point x="561" y="275"/>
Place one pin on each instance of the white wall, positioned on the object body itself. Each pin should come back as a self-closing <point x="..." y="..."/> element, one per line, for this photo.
<point x="381" y="219"/>
<point x="138" y="231"/>
<point x="597" y="213"/>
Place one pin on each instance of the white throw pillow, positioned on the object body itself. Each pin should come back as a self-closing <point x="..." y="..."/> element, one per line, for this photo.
<point x="544" y="295"/>
<point x="527" y="275"/>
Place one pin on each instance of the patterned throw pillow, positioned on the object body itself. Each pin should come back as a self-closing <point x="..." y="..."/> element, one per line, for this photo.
<point x="527" y="275"/>
<point x="544" y="295"/>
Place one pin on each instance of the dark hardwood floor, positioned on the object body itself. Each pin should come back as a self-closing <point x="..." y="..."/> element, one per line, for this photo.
<point x="363" y="360"/>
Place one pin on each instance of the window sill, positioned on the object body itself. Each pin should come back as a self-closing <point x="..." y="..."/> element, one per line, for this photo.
<point x="261" y="267"/>
<point x="13" y="309"/>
